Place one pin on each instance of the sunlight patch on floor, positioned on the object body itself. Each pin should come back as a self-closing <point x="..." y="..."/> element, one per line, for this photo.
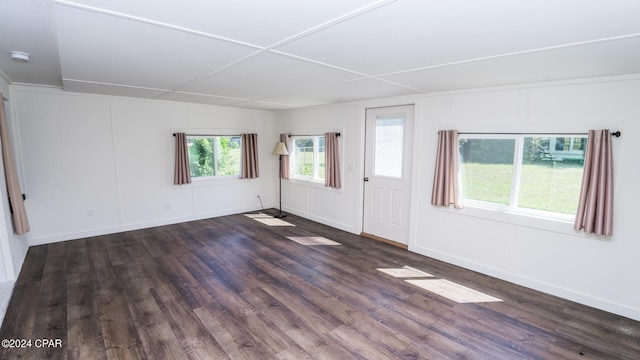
<point x="312" y="240"/>
<point x="259" y="216"/>
<point x="404" y="272"/>
<point x="452" y="291"/>
<point x="268" y="220"/>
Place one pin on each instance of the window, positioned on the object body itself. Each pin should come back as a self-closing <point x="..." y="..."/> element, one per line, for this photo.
<point x="388" y="146"/>
<point x="214" y="155"/>
<point x="523" y="173"/>
<point x="308" y="158"/>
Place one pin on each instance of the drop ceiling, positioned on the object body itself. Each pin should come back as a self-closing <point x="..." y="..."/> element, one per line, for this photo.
<point x="282" y="54"/>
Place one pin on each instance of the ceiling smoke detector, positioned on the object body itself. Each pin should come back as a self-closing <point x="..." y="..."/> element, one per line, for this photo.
<point x="20" y="56"/>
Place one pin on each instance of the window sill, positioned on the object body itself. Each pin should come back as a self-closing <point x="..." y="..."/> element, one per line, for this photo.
<point x="317" y="184"/>
<point x="534" y="221"/>
<point x="211" y="181"/>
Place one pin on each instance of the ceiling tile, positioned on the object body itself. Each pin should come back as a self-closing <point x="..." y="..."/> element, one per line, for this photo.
<point x="198" y="98"/>
<point x="26" y="26"/>
<point x="583" y="61"/>
<point x="411" y="34"/>
<point x="262" y="105"/>
<point x="356" y="90"/>
<point x="110" y="89"/>
<point x="326" y="51"/>
<point x="109" y="49"/>
<point x="267" y="75"/>
<point x="238" y="19"/>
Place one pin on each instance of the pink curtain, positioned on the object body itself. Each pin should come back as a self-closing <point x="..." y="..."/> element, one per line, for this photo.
<point x="19" y="214"/>
<point x="446" y="189"/>
<point x="181" y="173"/>
<point x="595" y="209"/>
<point x="249" y="156"/>
<point x="332" y="160"/>
<point x="285" y="173"/>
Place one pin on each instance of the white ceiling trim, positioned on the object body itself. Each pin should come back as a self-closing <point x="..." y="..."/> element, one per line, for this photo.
<point x="363" y="75"/>
<point x="343" y="82"/>
<point x="261" y="50"/>
<point x="288" y="53"/>
<point x="216" y="71"/>
<point x="327" y="24"/>
<point x="524" y="52"/>
<point x="270" y="103"/>
<point x="5" y="77"/>
<point x="319" y="63"/>
<point x="112" y="84"/>
<point x="153" y="23"/>
<point x="208" y="95"/>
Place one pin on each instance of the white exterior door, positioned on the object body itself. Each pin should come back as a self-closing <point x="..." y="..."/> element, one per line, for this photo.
<point x="387" y="180"/>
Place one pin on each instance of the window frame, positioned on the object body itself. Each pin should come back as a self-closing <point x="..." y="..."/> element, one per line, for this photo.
<point x="216" y="177"/>
<point x="315" y="177"/>
<point x="513" y="206"/>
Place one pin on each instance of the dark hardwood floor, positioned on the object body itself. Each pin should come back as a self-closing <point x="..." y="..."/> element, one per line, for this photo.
<point x="232" y="287"/>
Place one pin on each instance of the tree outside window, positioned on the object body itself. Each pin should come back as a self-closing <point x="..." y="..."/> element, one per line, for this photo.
<point x="214" y="155"/>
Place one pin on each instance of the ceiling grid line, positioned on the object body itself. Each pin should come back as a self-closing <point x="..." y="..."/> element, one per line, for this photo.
<point x="524" y="52"/>
<point x="284" y="54"/>
<point x="297" y="36"/>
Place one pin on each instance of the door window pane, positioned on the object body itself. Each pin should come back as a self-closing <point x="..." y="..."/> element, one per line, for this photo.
<point x="389" y="143"/>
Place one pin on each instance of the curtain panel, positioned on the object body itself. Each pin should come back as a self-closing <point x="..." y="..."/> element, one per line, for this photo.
<point x="595" y="208"/>
<point x="19" y="213"/>
<point x="285" y="170"/>
<point x="446" y="186"/>
<point x="332" y="160"/>
<point x="181" y="173"/>
<point x="249" y="168"/>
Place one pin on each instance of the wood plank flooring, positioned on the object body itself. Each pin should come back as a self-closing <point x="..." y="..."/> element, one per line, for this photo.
<point x="231" y="287"/>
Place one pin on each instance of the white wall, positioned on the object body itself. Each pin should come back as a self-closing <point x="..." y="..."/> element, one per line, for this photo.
<point x="6" y="265"/>
<point x="334" y="207"/>
<point x="115" y="156"/>
<point x="13" y="248"/>
<point x="542" y="254"/>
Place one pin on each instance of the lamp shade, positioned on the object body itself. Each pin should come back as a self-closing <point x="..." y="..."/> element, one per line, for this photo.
<point x="280" y="149"/>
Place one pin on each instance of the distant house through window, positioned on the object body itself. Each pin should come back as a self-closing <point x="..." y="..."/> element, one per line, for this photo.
<point x="567" y="148"/>
<point x="214" y="155"/>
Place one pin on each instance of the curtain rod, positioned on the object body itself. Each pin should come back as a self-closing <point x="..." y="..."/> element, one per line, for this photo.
<point x="614" y="133"/>
<point x="290" y="135"/>
<point x="205" y="135"/>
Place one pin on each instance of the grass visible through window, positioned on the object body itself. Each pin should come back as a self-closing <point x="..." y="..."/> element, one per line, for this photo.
<point x="549" y="187"/>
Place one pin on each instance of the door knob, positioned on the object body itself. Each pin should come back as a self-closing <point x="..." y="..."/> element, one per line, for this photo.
<point x="366" y="179"/>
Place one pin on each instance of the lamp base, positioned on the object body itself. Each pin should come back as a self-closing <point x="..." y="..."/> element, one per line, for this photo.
<point x="280" y="215"/>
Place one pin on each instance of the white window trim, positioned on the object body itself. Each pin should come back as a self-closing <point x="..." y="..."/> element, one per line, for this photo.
<point x="542" y="223"/>
<point x="215" y="179"/>
<point x="313" y="178"/>
<point x="489" y="209"/>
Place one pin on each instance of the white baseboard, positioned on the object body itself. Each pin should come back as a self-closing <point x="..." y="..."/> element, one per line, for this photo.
<point x="545" y="287"/>
<point x="135" y="226"/>
<point x="342" y="226"/>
